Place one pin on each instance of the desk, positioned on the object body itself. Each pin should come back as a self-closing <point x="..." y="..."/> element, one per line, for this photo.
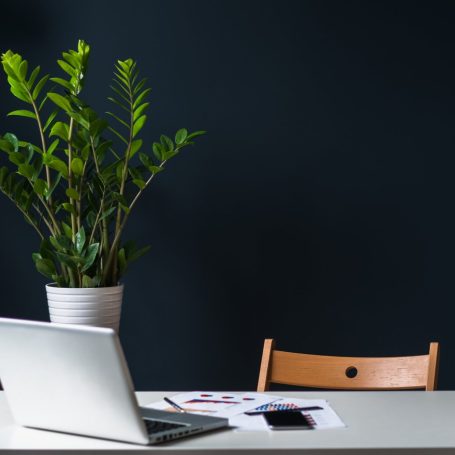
<point x="401" y="423"/>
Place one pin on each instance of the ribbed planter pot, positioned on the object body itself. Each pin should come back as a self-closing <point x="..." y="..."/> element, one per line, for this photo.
<point x="100" y="307"/>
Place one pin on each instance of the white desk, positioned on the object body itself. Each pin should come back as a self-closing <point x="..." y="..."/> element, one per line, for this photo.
<point x="377" y="422"/>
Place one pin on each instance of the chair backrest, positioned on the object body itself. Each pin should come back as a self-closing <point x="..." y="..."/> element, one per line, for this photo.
<point x="348" y="373"/>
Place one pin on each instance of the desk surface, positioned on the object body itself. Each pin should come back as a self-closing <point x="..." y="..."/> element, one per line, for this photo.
<point x="377" y="422"/>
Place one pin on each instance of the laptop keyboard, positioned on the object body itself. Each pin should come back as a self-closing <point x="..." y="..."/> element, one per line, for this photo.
<point x="157" y="426"/>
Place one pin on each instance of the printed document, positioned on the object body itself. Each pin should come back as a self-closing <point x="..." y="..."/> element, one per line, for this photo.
<point x="235" y="407"/>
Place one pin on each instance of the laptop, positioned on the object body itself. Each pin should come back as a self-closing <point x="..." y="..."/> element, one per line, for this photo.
<point x="74" y="379"/>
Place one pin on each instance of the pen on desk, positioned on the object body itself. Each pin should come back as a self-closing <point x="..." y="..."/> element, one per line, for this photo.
<point x="174" y="405"/>
<point x="308" y="408"/>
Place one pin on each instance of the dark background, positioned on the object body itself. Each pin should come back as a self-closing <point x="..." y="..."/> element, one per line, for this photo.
<point x="318" y="209"/>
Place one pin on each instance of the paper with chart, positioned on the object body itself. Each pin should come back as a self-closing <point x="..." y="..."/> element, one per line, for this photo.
<point x="235" y="405"/>
<point x="323" y="418"/>
<point x="219" y="404"/>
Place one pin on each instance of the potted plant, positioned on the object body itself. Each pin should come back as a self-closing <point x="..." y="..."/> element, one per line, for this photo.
<point x="78" y="185"/>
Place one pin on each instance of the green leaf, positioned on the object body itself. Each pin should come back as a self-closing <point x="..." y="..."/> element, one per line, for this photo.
<point x="69" y="208"/>
<point x="36" y="256"/>
<point x="38" y="166"/>
<point x="39" y="187"/>
<point x="52" y="147"/>
<point x="61" y="130"/>
<point x="60" y="101"/>
<point x="139" y="183"/>
<point x="46" y="250"/>
<point x="138" y="124"/>
<point x="155" y="169"/>
<point x="157" y="150"/>
<point x="119" y="171"/>
<point x="107" y="213"/>
<point x="62" y="82"/>
<point x="145" y="160"/>
<point x="33" y="76"/>
<point x="6" y="146"/>
<point x="26" y="170"/>
<point x="195" y="134"/>
<point x="7" y="187"/>
<point x="79" y="119"/>
<point x="20" y="94"/>
<point x="122" y="83"/>
<point x="71" y="59"/>
<point x="90" y="218"/>
<point x="8" y="70"/>
<point x="55" y="243"/>
<point x="169" y="155"/>
<point x="18" y="190"/>
<point x="136" y="254"/>
<point x="122" y="264"/>
<point x="72" y="193"/>
<point x="88" y="282"/>
<point x="11" y="138"/>
<point x="39" y="86"/>
<point x="118" y="135"/>
<point x="71" y="261"/>
<point x="67" y="68"/>
<point x="22" y="113"/>
<point x="141" y="97"/>
<point x="140" y="110"/>
<point x="136" y="173"/>
<point x="50" y="120"/>
<point x="77" y="166"/>
<point x="139" y="86"/>
<point x="118" y="103"/>
<point x="90" y="256"/>
<point x="166" y="143"/>
<point x="67" y="230"/>
<point x="80" y="240"/>
<point x="59" y="165"/>
<point x="122" y="96"/>
<point x="23" y="67"/>
<point x="50" y="190"/>
<point x="118" y="119"/>
<point x="135" y="146"/>
<point x="3" y="174"/>
<point x="17" y="158"/>
<point x="45" y="266"/>
<point x="181" y="135"/>
<point x="125" y="208"/>
<point x="98" y="126"/>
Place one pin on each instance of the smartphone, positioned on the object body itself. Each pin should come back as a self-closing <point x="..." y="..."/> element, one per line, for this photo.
<point x="287" y="420"/>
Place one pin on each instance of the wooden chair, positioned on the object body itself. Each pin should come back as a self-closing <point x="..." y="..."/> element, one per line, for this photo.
<point x="348" y="373"/>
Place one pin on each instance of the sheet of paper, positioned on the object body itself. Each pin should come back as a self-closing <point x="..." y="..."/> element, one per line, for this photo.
<point x="324" y="418"/>
<point x="219" y="404"/>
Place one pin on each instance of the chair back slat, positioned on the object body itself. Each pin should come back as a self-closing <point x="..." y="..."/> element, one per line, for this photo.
<point x="348" y="373"/>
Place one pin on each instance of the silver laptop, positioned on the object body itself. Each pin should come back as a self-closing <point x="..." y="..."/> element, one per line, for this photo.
<point x="75" y="379"/>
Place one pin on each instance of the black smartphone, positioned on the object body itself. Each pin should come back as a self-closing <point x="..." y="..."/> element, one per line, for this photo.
<point x="287" y="420"/>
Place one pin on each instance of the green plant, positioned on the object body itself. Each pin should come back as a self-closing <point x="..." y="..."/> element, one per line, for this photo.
<point x="77" y="188"/>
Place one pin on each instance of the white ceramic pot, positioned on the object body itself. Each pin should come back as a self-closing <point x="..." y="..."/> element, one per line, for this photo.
<point x="100" y="307"/>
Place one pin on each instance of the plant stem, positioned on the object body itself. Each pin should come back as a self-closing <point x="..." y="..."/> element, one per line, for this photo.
<point x="43" y="140"/>
<point x="70" y="178"/>
<point x="104" y="231"/>
<point x="43" y="144"/>
<point x="96" y="221"/>
<point x="79" y="202"/>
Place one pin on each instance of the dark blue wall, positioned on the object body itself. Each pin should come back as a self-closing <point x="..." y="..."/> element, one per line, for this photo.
<point x="319" y="208"/>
